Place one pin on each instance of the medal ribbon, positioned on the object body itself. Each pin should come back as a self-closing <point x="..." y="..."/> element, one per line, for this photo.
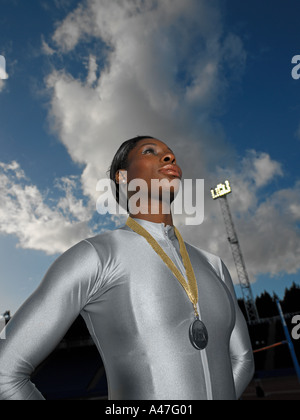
<point x="191" y="288"/>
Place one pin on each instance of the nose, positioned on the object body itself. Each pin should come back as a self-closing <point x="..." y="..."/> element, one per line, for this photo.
<point x="169" y="158"/>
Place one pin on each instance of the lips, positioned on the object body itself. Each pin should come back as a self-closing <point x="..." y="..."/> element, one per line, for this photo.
<point x="171" y="170"/>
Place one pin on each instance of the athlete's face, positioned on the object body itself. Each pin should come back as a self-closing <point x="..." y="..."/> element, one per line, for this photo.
<point x="152" y="159"/>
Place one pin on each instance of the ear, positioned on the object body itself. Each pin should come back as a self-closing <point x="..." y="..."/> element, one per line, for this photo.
<point x="121" y="176"/>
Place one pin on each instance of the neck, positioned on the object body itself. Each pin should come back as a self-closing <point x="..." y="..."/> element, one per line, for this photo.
<point x="154" y="213"/>
<point x="155" y="218"/>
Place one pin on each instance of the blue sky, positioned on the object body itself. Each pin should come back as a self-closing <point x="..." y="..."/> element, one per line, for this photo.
<point x="210" y="78"/>
<point x="268" y="93"/>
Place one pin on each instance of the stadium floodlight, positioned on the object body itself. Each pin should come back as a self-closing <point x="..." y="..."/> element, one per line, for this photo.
<point x="220" y="192"/>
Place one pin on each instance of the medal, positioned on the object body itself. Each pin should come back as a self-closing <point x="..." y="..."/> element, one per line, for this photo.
<point x="197" y="332"/>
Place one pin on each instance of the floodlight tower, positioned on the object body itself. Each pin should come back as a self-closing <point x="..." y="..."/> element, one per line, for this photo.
<point x="220" y="192"/>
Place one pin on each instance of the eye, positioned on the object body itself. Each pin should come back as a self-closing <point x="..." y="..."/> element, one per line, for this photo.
<point x="149" y="149"/>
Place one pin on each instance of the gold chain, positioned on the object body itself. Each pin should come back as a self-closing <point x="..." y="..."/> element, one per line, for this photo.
<point x="191" y="288"/>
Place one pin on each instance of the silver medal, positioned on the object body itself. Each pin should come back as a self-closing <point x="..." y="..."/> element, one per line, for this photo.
<point x="198" y="334"/>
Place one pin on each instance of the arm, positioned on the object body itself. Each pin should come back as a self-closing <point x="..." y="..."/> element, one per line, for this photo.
<point x="240" y="345"/>
<point x="42" y="321"/>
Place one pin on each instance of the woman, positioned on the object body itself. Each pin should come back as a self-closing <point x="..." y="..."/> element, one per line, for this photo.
<point x="162" y="313"/>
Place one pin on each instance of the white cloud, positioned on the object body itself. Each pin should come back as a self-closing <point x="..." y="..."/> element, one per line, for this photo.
<point x="265" y="169"/>
<point x="46" y="48"/>
<point x="163" y="76"/>
<point x="267" y="222"/>
<point x="92" y="70"/>
<point x="24" y="213"/>
<point x="167" y="68"/>
<point x="73" y="28"/>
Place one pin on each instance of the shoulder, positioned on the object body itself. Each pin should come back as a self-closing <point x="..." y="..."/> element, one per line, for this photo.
<point x="75" y="260"/>
<point x="108" y="239"/>
<point x="107" y="246"/>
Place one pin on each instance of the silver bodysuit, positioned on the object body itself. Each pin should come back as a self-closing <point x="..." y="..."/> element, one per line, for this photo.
<point x="139" y="316"/>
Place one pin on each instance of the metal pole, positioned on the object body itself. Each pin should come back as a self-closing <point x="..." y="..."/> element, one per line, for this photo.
<point x="289" y="340"/>
<point x="239" y="261"/>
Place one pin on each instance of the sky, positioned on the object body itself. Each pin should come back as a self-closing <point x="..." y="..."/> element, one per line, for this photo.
<point x="213" y="79"/>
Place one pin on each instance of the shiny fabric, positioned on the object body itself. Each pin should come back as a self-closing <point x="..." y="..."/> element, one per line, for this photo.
<point x="139" y="317"/>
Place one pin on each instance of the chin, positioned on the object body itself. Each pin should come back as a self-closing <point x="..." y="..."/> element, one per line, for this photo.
<point x="171" y="186"/>
<point x="168" y="195"/>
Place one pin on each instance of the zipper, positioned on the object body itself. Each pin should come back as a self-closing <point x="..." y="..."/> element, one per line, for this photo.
<point x="205" y="365"/>
<point x="203" y="353"/>
<point x="175" y="255"/>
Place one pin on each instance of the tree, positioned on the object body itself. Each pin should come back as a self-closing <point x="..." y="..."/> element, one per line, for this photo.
<point x="291" y="300"/>
<point x="266" y="305"/>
